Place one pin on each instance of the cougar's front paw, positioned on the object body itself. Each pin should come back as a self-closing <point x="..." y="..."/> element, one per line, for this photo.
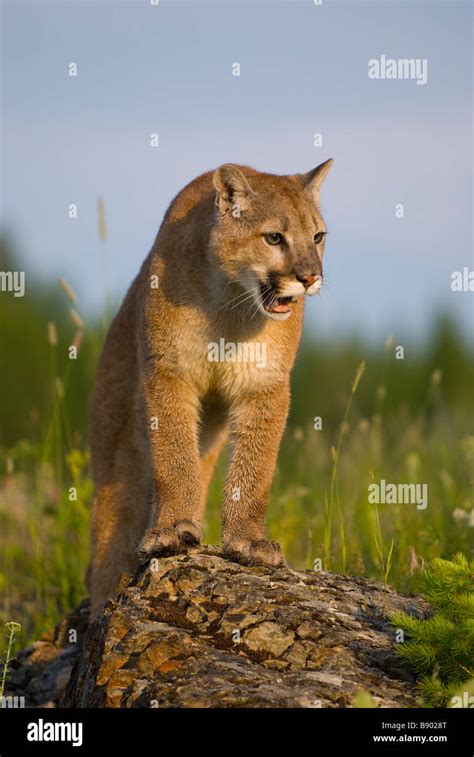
<point x="261" y="552"/>
<point x="160" y="542"/>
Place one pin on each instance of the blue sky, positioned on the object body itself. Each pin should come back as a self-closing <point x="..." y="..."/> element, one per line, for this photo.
<point x="304" y="69"/>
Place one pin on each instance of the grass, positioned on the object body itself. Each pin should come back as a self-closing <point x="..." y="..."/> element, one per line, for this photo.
<point x="12" y="630"/>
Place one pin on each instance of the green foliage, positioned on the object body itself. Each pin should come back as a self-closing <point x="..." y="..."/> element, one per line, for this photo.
<point x="30" y="367"/>
<point x="44" y="536"/>
<point x="441" y="648"/>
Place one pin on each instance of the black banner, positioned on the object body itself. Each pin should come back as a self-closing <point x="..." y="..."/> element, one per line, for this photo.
<point x="368" y="731"/>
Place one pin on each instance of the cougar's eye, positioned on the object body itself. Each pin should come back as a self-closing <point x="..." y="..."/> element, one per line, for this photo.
<point x="318" y="238"/>
<point x="273" y="238"/>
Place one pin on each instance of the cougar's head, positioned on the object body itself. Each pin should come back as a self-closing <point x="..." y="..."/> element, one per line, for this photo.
<point x="269" y="237"/>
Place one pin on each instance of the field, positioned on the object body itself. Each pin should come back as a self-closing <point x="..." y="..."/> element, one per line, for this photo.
<point x="381" y="418"/>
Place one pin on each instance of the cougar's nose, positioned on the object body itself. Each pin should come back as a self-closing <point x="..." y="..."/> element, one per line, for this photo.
<point x="308" y="279"/>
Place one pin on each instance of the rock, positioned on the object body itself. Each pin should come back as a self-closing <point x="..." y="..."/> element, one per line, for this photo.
<point x="200" y="631"/>
<point x="269" y="639"/>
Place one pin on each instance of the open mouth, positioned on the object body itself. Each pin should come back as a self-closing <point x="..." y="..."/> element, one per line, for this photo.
<point x="272" y="303"/>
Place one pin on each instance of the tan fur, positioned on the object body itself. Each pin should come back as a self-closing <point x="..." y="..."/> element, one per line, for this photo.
<point x="151" y="483"/>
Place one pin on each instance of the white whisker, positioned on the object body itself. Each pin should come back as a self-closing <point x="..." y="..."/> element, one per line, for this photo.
<point x="242" y="297"/>
<point x="265" y="296"/>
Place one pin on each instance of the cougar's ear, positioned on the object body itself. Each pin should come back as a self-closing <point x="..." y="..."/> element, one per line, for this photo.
<point x="233" y="190"/>
<point x="313" y="179"/>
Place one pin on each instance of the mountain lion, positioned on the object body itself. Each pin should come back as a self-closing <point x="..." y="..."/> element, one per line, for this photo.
<point x="201" y="350"/>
